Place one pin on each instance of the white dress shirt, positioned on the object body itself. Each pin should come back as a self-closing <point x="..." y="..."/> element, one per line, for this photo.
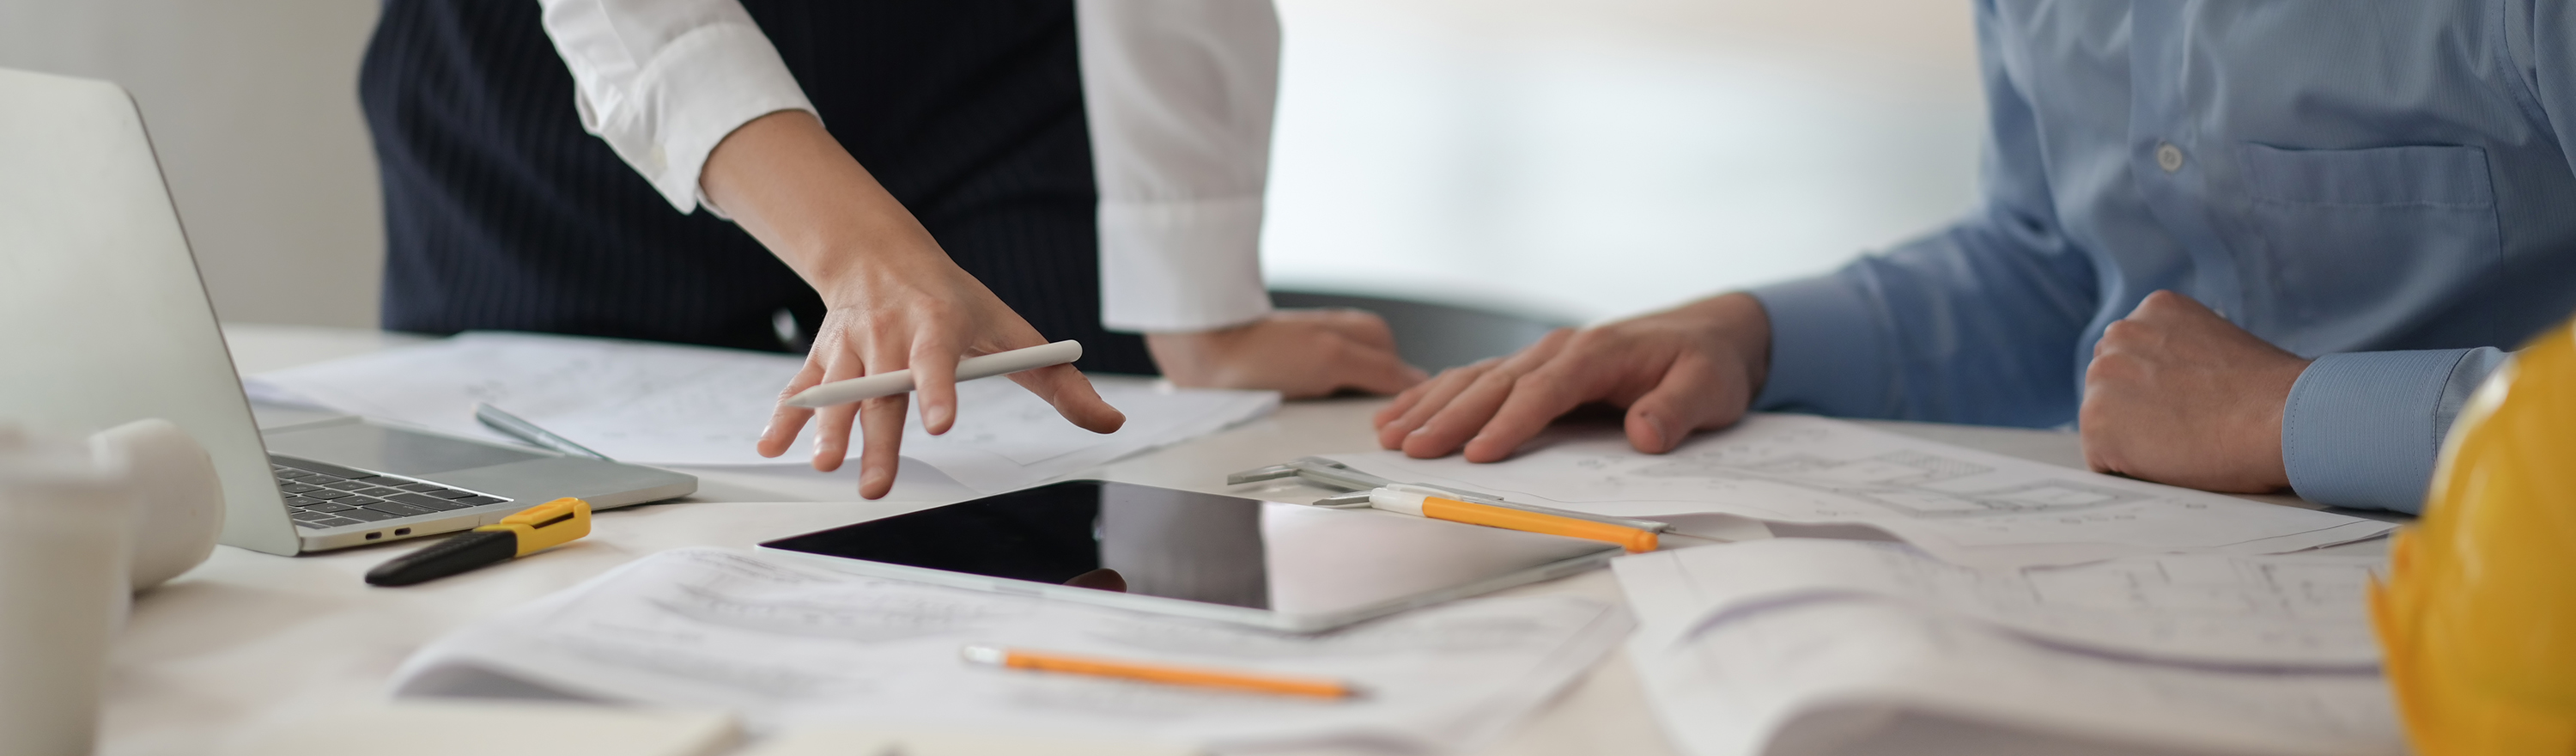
<point x="1179" y="96"/>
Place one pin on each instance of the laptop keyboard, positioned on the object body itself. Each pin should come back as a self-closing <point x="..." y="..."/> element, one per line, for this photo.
<point x="328" y="496"/>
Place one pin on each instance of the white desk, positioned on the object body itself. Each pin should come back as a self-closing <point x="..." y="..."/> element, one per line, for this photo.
<point x="250" y="638"/>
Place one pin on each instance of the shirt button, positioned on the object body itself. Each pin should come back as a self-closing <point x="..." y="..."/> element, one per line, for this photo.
<point x="2168" y="157"/>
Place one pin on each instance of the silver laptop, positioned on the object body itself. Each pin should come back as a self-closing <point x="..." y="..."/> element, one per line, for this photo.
<point x="103" y="321"/>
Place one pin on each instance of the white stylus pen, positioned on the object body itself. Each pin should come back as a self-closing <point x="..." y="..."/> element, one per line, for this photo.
<point x="971" y="368"/>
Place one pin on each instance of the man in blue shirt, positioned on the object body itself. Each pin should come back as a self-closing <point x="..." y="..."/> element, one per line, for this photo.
<point x="2243" y="246"/>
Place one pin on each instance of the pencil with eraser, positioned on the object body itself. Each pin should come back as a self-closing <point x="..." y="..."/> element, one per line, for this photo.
<point x="1635" y="540"/>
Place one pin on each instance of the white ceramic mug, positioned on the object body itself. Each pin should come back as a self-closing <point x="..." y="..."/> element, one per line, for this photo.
<point x="83" y="527"/>
<point x="66" y="533"/>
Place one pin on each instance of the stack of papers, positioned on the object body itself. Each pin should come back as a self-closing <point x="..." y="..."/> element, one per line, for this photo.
<point x="1965" y="506"/>
<point x="784" y="643"/>
<point x="666" y="404"/>
<point x="1812" y="645"/>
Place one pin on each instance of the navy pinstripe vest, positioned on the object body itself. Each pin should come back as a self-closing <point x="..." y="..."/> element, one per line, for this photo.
<point x="501" y="213"/>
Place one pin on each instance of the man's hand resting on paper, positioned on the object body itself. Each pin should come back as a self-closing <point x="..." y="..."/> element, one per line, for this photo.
<point x="2176" y="394"/>
<point x="1299" y="353"/>
<point x="1691" y="368"/>
<point x="896" y="301"/>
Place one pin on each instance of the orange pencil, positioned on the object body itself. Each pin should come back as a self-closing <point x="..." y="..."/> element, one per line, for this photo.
<point x="1635" y="540"/>
<point x="1258" y="682"/>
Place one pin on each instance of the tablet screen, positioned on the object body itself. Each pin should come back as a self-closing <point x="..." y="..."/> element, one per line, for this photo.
<point x="1227" y="550"/>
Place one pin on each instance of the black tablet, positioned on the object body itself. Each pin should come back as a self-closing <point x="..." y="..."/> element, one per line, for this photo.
<point x="1273" y="564"/>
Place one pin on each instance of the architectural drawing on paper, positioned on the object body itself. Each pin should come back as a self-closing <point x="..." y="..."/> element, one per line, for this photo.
<point x="1904" y="481"/>
<point x="866" y="618"/>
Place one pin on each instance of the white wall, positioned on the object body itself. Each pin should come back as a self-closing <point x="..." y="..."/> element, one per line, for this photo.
<point x="1586" y="159"/>
<point x="253" y="107"/>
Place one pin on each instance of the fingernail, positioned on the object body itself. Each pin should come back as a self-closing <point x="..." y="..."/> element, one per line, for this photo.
<point x="1655" y="434"/>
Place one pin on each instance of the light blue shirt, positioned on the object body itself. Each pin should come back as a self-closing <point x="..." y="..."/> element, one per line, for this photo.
<point x="2382" y="186"/>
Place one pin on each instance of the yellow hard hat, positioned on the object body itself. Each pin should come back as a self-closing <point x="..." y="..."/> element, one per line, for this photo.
<point x="2478" y="615"/>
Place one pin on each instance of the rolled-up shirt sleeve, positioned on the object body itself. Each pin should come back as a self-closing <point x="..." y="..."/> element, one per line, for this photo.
<point x="1179" y="96"/>
<point x="2362" y="430"/>
<point x="663" y="81"/>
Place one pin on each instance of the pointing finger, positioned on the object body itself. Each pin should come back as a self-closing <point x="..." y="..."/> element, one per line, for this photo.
<point x="786" y="420"/>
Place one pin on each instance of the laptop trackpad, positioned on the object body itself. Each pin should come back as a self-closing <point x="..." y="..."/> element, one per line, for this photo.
<point x="358" y="444"/>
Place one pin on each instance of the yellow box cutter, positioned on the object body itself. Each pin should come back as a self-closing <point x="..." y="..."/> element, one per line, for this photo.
<point x="534" y="529"/>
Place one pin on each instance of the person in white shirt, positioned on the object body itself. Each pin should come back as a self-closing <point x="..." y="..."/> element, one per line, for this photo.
<point x="944" y="212"/>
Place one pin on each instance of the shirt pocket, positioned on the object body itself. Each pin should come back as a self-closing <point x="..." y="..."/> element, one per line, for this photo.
<point x="2362" y="244"/>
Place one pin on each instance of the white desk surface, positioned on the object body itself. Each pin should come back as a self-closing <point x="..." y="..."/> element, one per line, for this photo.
<point x="250" y="639"/>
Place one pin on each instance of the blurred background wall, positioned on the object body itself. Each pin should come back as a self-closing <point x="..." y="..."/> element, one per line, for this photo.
<point x="1571" y="159"/>
<point x="253" y="107"/>
<point x="1585" y="159"/>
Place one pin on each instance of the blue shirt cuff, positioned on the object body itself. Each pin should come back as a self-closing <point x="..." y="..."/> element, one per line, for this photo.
<point x="1825" y="351"/>
<point x="2362" y="429"/>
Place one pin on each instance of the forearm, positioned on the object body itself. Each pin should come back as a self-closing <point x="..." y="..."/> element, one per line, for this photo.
<point x="1964" y="325"/>
<point x="788" y="183"/>
<point x="1976" y="322"/>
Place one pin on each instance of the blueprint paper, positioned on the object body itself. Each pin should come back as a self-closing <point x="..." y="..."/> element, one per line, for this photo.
<point x="1963" y="505"/>
<point x="1810" y="645"/>
<point x="786" y="643"/>
<point x="665" y="404"/>
<point x="2300" y="611"/>
<point x="1832" y="675"/>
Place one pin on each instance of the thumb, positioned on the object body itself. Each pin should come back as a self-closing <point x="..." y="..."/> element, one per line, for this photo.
<point x="1693" y="395"/>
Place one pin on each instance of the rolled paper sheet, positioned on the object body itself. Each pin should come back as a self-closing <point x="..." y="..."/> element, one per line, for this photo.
<point x="178" y="499"/>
